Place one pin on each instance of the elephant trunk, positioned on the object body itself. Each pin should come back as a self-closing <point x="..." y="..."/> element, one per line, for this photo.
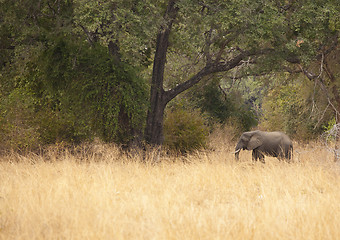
<point x="237" y="152"/>
<point x="238" y="148"/>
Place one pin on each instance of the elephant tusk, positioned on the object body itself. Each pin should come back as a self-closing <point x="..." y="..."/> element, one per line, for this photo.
<point x="237" y="151"/>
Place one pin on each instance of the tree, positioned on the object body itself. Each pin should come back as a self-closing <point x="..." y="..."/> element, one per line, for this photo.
<point x="227" y="35"/>
<point x="297" y="108"/>
<point x="186" y="41"/>
<point x="264" y="34"/>
<point x="160" y="97"/>
<point x="75" y="89"/>
<point x="210" y="36"/>
<point x="315" y="50"/>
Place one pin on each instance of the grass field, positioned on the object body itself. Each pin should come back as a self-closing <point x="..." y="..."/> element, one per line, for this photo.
<point x="102" y="194"/>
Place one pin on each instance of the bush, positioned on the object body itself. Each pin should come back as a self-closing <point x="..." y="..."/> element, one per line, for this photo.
<point x="26" y="125"/>
<point x="17" y="128"/>
<point x="71" y="92"/>
<point x="185" y="130"/>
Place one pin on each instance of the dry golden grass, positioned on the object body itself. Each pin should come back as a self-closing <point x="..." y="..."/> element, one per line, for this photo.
<point x="106" y="195"/>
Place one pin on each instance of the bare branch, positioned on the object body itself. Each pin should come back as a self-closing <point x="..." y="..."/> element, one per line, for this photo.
<point x="323" y="114"/>
<point x="320" y="80"/>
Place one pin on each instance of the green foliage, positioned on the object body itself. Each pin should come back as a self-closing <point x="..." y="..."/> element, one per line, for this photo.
<point x="75" y="93"/>
<point x="225" y="107"/>
<point x="58" y="81"/>
<point x="96" y="86"/>
<point x="17" y="127"/>
<point x="329" y="125"/>
<point x="185" y="130"/>
<point x="291" y="108"/>
<point x="219" y="106"/>
<point x="76" y="90"/>
<point x="99" y="91"/>
<point x="131" y="24"/>
<point x="245" y="117"/>
<point x="25" y="126"/>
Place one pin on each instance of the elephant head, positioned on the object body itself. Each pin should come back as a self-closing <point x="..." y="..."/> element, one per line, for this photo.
<point x="249" y="141"/>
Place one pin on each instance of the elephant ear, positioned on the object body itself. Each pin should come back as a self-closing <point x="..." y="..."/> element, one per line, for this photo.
<point x="254" y="142"/>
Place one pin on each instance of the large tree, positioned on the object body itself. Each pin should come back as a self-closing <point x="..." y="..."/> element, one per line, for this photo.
<point x="191" y="40"/>
<point x="261" y="36"/>
<point x="185" y="41"/>
<point x="225" y="35"/>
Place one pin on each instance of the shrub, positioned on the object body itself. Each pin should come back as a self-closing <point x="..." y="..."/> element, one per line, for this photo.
<point x="185" y="130"/>
<point x="26" y="125"/>
<point x="17" y="128"/>
<point x="70" y="93"/>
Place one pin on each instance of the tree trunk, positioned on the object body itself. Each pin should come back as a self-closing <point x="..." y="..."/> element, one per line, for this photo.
<point x="154" y="123"/>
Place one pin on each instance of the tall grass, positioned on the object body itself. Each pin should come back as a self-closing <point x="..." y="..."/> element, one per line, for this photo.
<point x="102" y="194"/>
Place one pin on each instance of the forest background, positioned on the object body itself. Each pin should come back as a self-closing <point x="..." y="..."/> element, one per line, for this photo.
<point x="72" y="71"/>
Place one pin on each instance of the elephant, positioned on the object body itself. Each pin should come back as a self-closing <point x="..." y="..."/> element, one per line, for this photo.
<point x="275" y="144"/>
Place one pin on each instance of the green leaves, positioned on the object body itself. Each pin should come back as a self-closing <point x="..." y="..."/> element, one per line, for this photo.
<point x="57" y="52"/>
<point x="184" y="130"/>
<point x="131" y="24"/>
<point x="225" y="107"/>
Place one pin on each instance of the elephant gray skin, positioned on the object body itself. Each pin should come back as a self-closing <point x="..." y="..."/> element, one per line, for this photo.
<point x="275" y="144"/>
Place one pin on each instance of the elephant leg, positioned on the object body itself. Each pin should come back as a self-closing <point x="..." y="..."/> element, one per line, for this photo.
<point x="281" y="153"/>
<point x="288" y="154"/>
<point x="261" y="157"/>
<point x="254" y="155"/>
<point x="285" y="154"/>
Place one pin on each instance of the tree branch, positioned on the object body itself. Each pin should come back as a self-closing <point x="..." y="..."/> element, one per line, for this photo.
<point x="210" y="69"/>
<point x="320" y="80"/>
<point x="247" y="75"/>
<point x="91" y="36"/>
<point x="324" y="52"/>
<point x="218" y="55"/>
<point x="172" y="93"/>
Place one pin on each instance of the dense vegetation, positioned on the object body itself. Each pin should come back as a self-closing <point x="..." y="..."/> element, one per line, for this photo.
<point x="75" y="70"/>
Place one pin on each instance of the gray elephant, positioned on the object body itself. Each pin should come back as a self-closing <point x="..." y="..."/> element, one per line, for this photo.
<point x="275" y="144"/>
